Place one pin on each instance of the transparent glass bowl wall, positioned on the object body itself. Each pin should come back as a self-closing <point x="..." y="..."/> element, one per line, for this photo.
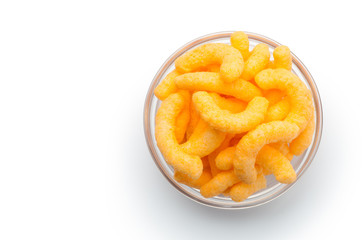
<point x="274" y="188"/>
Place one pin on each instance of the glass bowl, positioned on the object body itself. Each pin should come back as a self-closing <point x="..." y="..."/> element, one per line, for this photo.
<point x="274" y="189"/>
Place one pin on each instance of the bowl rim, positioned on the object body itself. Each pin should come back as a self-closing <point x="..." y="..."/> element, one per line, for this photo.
<point x="219" y="35"/>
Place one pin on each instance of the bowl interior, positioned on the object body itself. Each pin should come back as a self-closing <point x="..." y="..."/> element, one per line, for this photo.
<point x="274" y="188"/>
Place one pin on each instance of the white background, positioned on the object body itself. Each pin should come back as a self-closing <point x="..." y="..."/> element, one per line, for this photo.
<point x="73" y="159"/>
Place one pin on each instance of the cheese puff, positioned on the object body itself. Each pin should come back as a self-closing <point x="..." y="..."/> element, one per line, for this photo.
<point x="249" y="146"/>
<point x="289" y="156"/>
<point x="204" y="140"/>
<point x="226" y="121"/>
<point x="278" y="111"/>
<point x="194" y="183"/>
<point x="184" y="117"/>
<point x="231" y="104"/>
<point x="194" y="119"/>
<point x="185" y="163"/>
<point x="211" y="82"/>
<point x="205" y="162"/>
<point x="281" y="146"/>
<point x="232" y="63"/>
<point x="303" y="141"/>
<point x="167" y="86"/>
<point x="275" y="162"/>
<point x="282" y="58"/>
<point x="240" y="41"/>
<point x="241" y="191"/>
<point x="274" y="96"/>
<point x="213" y="155"/>
<point x="224" y="161"/>
<point x="219" y="184"/>
<point x="300" y="97"/>
<point x="257" y="61"/>
<point x="213" y="68"/>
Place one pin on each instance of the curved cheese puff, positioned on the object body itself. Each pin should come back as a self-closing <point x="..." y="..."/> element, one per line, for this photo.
<point x="274" y="96"/>
<point x="219" y="184"/>
<point x="190" y="165"/>
<point x="249" y="146"/>
<point x="282" y="58"/>
<point x="240" y="41"/>
<point x="204" y="140"/>
<point x="241" y="191"/>
<point x="211" y="82"/>
<point x="232" y="63"/>
<point x="184" y="117"/>
<point x="231" y="104"/>
<point x="195" y="183"/>
<point x="299" y="95"/>
<point x="213" y="155"/>
<point x="303" y="141"/>
<point x="257" y="61"/>
<point x="277" y="164"/>
<point x="224" y="161"/>
<point x="167" y="86"/>
<point x="226" y="121"/>
<point x="278" y="111"/>
<point x="281" y="146"/>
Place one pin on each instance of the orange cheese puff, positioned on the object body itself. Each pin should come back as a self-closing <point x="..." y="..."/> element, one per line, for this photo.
<point x="167" y="86"/>
<point x="213" y="155"/>
<point x="282" y="58"/>
<point x="232" y="63"/>
<point x="303" y="141"/>
<point x="224" y="161"/>
<point x="204" y="140"/>
<point x="184" y="117"/>
<point x="274" y="96"/>
<point x="278" y="111"/>
<point x="213" y="68"/>
<point x="188" y="164"/>
<point x="241" y="191"/>
<point x="240" y="41"/>
<point x="289" y="156"/>
<point x="205" y="162"/>
<point x="195" y="183"/>
<point x="249" y="146"/>
<point x="231" y="104"/>
<point x="194" y="119"/>
<point x="257" y="61"/>
<point x="281" y="146"/>
<point x="219" y="184"/>
<point x="299" y="95"/>
<point x="275" y="162"/>
<point x="226" y="121"/>
<point x="211" y="82"/>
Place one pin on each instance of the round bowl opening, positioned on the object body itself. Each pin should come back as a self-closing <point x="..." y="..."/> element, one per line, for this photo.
<point x="274" y="188"/>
